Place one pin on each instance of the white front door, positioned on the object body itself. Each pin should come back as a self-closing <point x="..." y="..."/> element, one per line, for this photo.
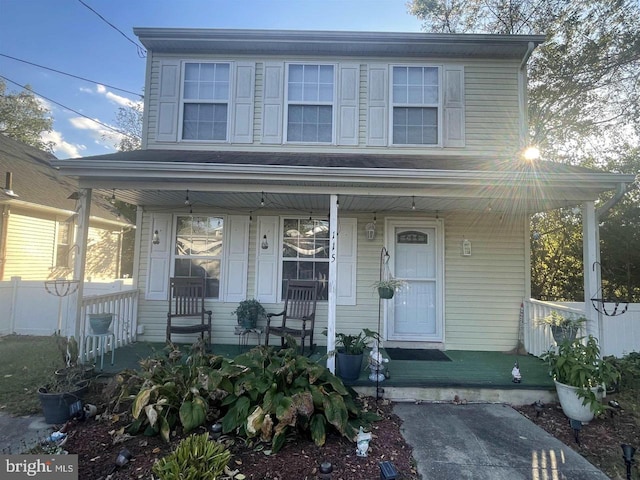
<point x="415" y="313"/>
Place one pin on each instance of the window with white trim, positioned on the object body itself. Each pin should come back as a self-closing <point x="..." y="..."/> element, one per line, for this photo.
<point x="305" y="252"/>
<point x="63" y="244"/>
<point x="198" y="250"/>
<point x="416" y="106"/>
<point x="205" y="101"/>
<point x="310" y="99"/>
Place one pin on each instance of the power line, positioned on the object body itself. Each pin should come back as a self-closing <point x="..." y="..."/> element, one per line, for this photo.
<point x="109" y="127"/>
<point x="70" y="75"/>
<point x="141" y="51"/>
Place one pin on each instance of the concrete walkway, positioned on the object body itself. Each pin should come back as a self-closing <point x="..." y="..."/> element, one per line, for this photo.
<point x="486" y="441"/>
<point x="18" y="434"/>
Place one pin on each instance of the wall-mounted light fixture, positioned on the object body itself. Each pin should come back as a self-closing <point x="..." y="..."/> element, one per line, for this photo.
<point x="466" y="247"/>
<point x="265" y="243"/>
<point x="371" y="230"/>
<point x="156" y="238"/>
<point x="113" y="197"/>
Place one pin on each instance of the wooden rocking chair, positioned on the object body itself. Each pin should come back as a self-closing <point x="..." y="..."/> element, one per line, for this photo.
<point x="299" y="314"/>
<point x="186" y="300"/>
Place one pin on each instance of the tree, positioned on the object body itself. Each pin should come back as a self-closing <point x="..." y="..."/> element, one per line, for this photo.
<point x="584" y="108"/>
<point x="24" y="118"/>
<point x="129" y="122"/>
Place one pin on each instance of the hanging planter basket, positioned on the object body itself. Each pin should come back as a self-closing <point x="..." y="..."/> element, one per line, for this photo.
<point x="385" y="292"/>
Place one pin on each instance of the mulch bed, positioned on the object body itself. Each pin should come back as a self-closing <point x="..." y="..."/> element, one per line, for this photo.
<point x="98" y="442"/>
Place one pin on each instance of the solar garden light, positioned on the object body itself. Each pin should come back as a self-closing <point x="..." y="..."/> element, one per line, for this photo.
<point x="325" y="471"/>
<point x="576" y="425"/>
<point x="388" y="471"/>
<point x="627" y="455"/>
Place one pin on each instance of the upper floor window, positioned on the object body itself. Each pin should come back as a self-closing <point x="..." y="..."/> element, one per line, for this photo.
<point x="198" y="250"/>
<point x="310" y="97"/>
<point x="205" y="101"/>
<point x="416" y="104"/>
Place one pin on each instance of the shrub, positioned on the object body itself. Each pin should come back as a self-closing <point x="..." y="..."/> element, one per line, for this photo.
<point x="195" y="458"/>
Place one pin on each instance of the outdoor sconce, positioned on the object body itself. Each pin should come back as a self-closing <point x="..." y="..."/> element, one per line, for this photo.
<point x="156" y="238"/>
<point x="265" y="243"/>
<point x="466" y="247"/>
<point x="371" y="230"/>
<point x="627" y="455"/>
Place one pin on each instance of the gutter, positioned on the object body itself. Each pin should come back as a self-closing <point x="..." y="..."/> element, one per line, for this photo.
<point x="603" y="211"/>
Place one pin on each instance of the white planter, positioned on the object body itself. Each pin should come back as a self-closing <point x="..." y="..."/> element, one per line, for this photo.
<point x="571" y="403"/>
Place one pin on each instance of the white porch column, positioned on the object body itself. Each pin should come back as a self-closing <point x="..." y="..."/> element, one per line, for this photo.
<point x="591" y="266"/>
<point x="83" y="209"/>
<point x="333" y="273"/>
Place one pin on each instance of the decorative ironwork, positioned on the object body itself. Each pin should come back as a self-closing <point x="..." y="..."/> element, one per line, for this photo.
<point x="600" y="305"/>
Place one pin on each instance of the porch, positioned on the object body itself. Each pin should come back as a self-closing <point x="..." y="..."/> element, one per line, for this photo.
<point x="471" y="375"/>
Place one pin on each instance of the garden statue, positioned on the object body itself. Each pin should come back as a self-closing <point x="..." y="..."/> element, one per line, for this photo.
<point x="376" y="364"/>
<point x="515" y="374"/>
<point x="362" y="442"/>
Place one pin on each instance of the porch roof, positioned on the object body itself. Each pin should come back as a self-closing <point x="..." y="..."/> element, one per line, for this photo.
<point x="365" y="182"/>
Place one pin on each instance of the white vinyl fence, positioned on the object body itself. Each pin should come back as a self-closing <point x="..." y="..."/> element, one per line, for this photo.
<point x="27" y="308"/>
<point x="621" y="333"/>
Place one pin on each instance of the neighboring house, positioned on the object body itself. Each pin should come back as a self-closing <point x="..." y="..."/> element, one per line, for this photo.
<point x="271" y="155"/>
<point x="37" y="232"/>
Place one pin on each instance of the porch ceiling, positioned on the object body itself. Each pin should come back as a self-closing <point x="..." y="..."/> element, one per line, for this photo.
<point x="302" y="182"/>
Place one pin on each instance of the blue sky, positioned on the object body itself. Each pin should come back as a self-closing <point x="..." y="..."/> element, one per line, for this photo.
<point x="67" y="36"/>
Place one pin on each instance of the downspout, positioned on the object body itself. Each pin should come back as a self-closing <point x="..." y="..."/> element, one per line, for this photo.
<point x="523" y="97"/>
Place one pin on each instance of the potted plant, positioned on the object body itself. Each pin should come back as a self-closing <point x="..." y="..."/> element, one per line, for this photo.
<point x="563" y="328"/>
<point x="580" y="375"/>
<point x="59" y="398"/>
<point x="350" y="350"/>
<point x="248" y="312"/>
<point x="387" y="287"/>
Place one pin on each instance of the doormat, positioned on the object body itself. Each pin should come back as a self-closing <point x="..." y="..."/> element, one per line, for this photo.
<point x="413" y="354"/>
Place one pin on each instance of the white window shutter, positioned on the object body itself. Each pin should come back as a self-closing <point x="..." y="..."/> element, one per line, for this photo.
<point x="236" y="240"/>
<point x="159" y="258"/>
<point x="168" y="101"/>
<point x="267" y="259"/>
<point x="273" y="102"/>
<point x="243" y="103"/>
<point x="378" y="104"/>
<point x="348" y="104"/>
<point x="454" y="116"/>
<point x="347" y="261"/>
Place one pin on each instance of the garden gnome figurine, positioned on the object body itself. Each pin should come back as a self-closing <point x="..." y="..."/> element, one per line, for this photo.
<point x="515" y="374"/>
<point x="376" y="364"/>
<point x="362" y="442"/>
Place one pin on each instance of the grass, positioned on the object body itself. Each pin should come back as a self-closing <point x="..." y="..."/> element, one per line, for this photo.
<point x="26" y="363"/>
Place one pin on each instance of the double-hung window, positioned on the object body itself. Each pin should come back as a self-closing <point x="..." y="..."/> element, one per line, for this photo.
<point x="310" y="97"/>
<point x="63" y="244"/>
<point x="416" y="105"/>
<point x="205" y="101"/>
<point x="198" y="251"/>
<point x="305" y="252"/>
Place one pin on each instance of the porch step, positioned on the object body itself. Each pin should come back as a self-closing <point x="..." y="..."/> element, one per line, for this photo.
<point x="511" y="396"/>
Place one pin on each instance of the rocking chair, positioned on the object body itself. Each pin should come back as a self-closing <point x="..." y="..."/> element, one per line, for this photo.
<point x="299" y="314"/>
<point x="186" y="300"/>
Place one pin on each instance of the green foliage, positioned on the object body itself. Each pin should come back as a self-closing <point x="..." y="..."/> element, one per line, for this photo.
<point x="355" y="344"/>
<point x="195" y="458"/>
<point x="248" y="312"/>
<point x="629" y="368"/>
<point x="262" y="394"/>
<point x="24" y="118"/>
<point x="578" y="364"/>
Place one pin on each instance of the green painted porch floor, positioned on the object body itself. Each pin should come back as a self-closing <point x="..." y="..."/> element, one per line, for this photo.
<point x="466" y="369"/>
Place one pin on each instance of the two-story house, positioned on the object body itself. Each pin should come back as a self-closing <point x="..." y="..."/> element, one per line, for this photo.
<point x="273" y="155"/>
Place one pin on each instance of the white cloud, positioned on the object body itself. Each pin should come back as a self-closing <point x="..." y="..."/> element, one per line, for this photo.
<point x="112" y="97"/>
<point x="62" y="148"/>
<point x="98" y="132"/>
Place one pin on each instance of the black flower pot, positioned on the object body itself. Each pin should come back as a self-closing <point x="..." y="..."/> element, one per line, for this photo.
<point x="56" y="405"/>
<point x="349" y="366"/>
<point x="385" y="292"/>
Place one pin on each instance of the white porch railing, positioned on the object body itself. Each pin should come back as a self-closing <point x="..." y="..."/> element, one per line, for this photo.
<point x="620" y="333"/>
<point x="537" y="334"/>
<point x="124" y="307"/>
